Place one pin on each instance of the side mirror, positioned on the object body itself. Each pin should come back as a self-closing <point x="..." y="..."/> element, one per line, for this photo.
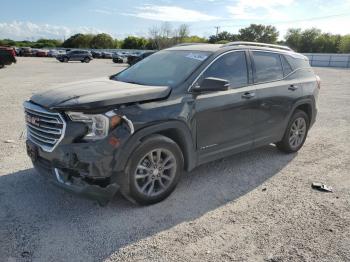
<point x="211" y="84"/>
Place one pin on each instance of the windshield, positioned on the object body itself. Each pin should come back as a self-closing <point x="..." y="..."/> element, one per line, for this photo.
<point x="164" y="68"/>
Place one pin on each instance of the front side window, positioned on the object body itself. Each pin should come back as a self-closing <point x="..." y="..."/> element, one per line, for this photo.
<point x="231" y="67"/>
<point x="268" y="66"/>
<point x="164" y="68"/>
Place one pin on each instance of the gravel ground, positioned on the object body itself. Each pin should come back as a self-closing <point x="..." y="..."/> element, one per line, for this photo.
<point x="254" y="206"/>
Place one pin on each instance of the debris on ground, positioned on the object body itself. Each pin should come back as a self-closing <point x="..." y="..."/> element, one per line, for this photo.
<point x="9" y="141"/>
<point x="322" y="187"/>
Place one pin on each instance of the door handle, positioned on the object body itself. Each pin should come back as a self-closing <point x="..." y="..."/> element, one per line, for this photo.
<point x="293" y="87"/>
<point x="248" y="95"/>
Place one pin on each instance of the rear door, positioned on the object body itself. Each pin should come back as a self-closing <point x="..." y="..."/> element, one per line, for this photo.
<point x="224" y="119"/>
<point x="276" y="95"/>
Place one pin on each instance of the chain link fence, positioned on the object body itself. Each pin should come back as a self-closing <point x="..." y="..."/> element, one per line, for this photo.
<point x="329" y="60"/>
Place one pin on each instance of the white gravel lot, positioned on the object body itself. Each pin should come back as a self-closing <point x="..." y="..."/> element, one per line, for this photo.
<point x="254" y="206"/>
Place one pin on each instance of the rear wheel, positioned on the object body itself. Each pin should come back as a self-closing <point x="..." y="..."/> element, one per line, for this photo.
<point x="153" y="171"/>
<point x="86" y="60"/>
<point x="295" y="134"/>
<point x="65" y="59"/>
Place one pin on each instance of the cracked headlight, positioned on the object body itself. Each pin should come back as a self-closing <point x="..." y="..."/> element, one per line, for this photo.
<point x="98" y="125"/>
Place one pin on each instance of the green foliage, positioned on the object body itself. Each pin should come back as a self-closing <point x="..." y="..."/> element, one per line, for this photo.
<point x="313" y="41"/>
<point x="259" y="33"/>
<point x="344" y="45"/>
<point x="102" y="41"/>
<point x="133" y="42"/>
<point x="305" y="41"/>
<point x="223" y="36"/>
<point x="194" y="39"/>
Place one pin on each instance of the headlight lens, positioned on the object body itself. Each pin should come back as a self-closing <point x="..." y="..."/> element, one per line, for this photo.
<point x="98" y="125"/>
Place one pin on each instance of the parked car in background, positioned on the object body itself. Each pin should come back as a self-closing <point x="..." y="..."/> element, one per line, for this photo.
<point x="7" y="56"/>
<point x="76" y="55"/>
<point x="42" y="53"/>
<point x="52" y="53"/>
<point x="140" y="129"/>
<point x="107" y="54"/>
<point x="119" y="58"/>
<point x="133" y="59"/>
<point x="9" y="49"/>
<point x="96" y="54"/>
<point x="26" y="51"/>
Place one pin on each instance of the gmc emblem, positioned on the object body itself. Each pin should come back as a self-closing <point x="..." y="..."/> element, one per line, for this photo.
<point x="33" y="120"/>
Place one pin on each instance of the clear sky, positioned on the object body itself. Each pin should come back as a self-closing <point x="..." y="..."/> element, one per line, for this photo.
<point x="32" y="19"/>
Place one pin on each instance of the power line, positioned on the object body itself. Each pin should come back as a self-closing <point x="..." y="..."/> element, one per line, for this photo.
<point x="282" y="22"/>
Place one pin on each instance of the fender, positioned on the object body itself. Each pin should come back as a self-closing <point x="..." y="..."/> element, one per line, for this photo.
<point x="305" y="101"/>
<point x="186" y="143"/>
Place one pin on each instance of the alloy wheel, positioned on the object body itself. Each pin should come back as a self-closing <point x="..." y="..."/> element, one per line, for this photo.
<point x="297" y="132"/>
<point x="155" y="172"/>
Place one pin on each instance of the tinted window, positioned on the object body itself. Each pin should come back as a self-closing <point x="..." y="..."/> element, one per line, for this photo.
<point x="268" y="66"/>
<point x="164" y="68"/>
<point x="298" y="62"/>
<point x="231" y="67"/>
<point x="287" y="69"/>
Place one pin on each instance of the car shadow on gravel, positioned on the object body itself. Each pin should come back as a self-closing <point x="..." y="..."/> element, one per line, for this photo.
<point x="50" y="224"/>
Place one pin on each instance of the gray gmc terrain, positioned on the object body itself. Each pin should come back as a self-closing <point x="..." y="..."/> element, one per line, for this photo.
<point x="139" y="130"/>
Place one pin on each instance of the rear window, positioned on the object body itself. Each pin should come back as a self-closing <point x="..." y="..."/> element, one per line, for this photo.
<point x="268" y="66"/>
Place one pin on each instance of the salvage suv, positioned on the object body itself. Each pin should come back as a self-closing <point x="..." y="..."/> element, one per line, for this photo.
<point x="138" y="130"/>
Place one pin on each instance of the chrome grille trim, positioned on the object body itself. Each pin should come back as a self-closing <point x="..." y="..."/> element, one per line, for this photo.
<point x="50" y="129"/>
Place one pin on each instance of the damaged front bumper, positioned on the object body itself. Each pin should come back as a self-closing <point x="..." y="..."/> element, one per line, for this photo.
<point x="87" y="169"/>
<point x="97" y="190"/>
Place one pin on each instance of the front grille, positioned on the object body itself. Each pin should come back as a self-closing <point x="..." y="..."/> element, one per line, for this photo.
<point x="44" y="128"/>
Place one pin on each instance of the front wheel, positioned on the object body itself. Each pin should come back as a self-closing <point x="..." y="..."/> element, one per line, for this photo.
<point x="295" y="134"/>
<point x="86" y="60"/>
<point x="153" y="170"/>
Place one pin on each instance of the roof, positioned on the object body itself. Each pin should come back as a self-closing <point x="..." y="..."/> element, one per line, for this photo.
<point x="196" y="47"/>
<point x="230" y="46"/>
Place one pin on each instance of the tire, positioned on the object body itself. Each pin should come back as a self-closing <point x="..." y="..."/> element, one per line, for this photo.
<point x="156" y="179"/>
<point x="2" y="65"/>
<point x="86" y="60"/>
<point x="296" y="133"/>
<point x="65" y="59"/>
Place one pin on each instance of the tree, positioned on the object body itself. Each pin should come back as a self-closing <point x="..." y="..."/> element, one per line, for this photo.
<point x="133" y="42"/>
<point x="327" y="43"/>
<point x="307" y="40"/>
<point x="162" y="37"/>
<point x="259" y="33"/>
<point x="182" y="32"/>
<point x="102" y="41"/>
<point x="41" y="43"/>
<point x="293" y="38"/>
<point x="78" y="41"/>
<point x="344" y="45"/>
<point x="194" y="39"/>
<point x="223" y="36"/>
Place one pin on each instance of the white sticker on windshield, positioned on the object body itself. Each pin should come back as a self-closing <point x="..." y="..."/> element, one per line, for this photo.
<point x="197" y="56"/>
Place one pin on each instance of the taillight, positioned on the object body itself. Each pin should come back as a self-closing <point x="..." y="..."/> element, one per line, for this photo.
<point x="318" y="80"/>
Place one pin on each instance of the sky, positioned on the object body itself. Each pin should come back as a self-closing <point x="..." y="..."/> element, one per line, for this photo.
<point x="33" y="19"/>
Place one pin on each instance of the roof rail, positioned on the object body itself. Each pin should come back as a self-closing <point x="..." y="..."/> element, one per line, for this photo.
<point x="185" y="44"/>
<point x="258" y="44"/>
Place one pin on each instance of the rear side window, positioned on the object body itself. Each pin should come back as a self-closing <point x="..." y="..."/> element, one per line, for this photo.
<point x="298" y="62"/>
<point x="268" y="66"/>
<point x="231" y="67"/>
<point x="287" y="69"/>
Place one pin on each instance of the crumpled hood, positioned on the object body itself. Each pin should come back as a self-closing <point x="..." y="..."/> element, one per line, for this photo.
<point x="97" y="93"/>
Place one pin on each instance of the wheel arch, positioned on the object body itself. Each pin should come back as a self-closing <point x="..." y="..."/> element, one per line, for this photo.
<point x="175" y="130"/>
<point x="305" y="105"/>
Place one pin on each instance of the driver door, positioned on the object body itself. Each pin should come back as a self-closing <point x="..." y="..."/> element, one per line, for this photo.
<point x="225" y="119"/>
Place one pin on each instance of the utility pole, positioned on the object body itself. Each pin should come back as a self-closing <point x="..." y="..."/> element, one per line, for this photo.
<point x="217" y="30"/>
